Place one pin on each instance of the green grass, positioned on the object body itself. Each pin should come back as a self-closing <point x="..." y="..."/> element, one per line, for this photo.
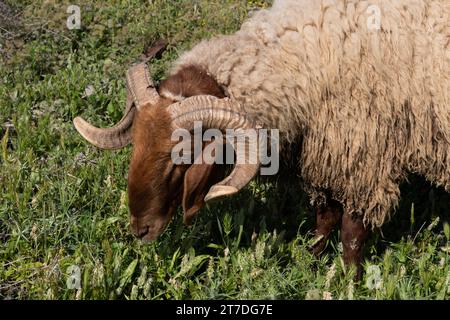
<point x="63" y="203"/>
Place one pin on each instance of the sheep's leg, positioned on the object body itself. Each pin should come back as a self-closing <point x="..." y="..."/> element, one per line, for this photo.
<point x="326" y="220"/>
<point x="353" y="236"/>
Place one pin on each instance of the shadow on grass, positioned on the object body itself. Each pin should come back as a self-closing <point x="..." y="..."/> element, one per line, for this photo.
<point x="283" y="207"/>
<point x="421" y="203"/>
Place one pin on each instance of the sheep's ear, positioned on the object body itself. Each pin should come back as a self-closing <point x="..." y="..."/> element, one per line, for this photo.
<point x="197" y="181"/>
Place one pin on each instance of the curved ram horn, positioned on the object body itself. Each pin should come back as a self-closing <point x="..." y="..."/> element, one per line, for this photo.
<point x="140" y="84"/>
<point x="215" y="113"/>
<point x="141" y="92"/>
<point x="116" y="137"/>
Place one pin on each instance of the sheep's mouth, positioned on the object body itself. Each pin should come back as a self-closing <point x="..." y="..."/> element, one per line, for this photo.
<point x="149" y="235"/>
<point x="151" y="231"/>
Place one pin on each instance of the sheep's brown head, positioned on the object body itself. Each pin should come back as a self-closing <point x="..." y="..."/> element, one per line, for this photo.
<point x="156" y="185"/>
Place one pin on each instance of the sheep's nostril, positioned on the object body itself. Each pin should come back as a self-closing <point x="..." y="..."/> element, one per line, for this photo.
<point x="141" y="232"/>
<point x="137" y="230"/>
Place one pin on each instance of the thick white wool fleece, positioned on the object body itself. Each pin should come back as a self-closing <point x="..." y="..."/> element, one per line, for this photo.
<point x="368" y="105"/>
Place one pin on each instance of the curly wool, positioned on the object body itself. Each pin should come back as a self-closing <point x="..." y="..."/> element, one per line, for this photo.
<point x="368" y="105"/>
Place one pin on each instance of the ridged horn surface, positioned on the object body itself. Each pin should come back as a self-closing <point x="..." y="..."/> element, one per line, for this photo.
<point x="113" y="138"/>
<point x="140" y="84"/>
<point x="222" y="114"/>
<point x="141" y="92"/>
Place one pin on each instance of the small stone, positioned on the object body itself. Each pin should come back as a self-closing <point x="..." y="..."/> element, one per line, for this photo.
<point x="89" y="91"/>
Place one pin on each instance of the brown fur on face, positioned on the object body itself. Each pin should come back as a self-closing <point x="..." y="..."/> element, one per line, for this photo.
<point x="149" y="177"/>
<point x="156" y="187"/>
<point x="188" y="82"/>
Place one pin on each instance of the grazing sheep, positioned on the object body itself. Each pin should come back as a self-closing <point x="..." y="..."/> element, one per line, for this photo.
<point x="367" y="103"/>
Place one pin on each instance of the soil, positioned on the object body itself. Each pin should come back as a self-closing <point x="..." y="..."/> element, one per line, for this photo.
<point x="7" y="16"/>
<point x="10" y="30"/>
